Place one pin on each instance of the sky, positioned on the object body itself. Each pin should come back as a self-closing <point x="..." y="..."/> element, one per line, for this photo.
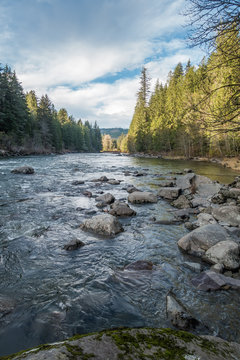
<point x="87" y="55"/>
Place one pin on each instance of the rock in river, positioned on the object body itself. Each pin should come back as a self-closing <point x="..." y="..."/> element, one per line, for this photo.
<point x="181" y="203"/>
<point x="224" y="252"/>
<point x="227" y="214"/>
<point x="106" y="198"/>
<point x="105" y="224"/>
<point x="121" y="209"/>
<point x="73" y="245"/>
<point x="198" y="241"/>
<point x="23" y="170"/>
<point x="138" y="197"/>
<point x="178" y="314"/>
<point x="210" y="280"/>
<point x="139" y="265"/>
<point x="169" y="193"/>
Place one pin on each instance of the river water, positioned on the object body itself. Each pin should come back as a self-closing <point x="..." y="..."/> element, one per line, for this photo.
<point x="52" y="293"/>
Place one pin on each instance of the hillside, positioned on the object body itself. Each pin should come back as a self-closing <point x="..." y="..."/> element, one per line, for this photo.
<point x="114" y="132"/>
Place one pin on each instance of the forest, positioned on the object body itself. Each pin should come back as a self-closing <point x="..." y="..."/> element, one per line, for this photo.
<point x="31" y="125"/>
<point x="197" y="111"/>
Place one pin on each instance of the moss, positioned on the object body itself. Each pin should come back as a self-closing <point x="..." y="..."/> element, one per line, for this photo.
<point x="144" y="344"/>
<point x="76" y="351"/>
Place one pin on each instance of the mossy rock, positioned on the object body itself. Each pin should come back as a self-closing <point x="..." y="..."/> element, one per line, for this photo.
<point x="134" y="344"/>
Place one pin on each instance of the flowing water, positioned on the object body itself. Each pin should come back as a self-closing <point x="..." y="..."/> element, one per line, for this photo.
<point x="51" y="293"/>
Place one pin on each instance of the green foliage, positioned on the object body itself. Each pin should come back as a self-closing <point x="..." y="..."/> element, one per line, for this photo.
<point x="32" y="125"/>
<point x="197" y="112"/>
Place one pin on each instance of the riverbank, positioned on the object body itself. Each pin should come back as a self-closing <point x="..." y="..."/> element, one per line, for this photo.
<point x="228" y="162"/>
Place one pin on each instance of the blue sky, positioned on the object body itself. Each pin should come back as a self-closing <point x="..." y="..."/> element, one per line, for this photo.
<point x="87" y="54"/>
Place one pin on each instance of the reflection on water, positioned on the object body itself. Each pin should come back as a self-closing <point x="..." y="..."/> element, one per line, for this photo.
<point x="57" y="293"/>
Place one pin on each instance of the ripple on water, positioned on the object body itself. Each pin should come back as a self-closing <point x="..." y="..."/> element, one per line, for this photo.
<point x="58" y="293"/>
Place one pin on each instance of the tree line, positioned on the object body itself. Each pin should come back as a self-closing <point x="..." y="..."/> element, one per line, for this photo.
<point x="197" y="111"/>
<point x="32" y="125"/>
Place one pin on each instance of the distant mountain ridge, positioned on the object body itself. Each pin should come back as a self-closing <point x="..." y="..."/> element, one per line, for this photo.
<point x="114" y="132"/>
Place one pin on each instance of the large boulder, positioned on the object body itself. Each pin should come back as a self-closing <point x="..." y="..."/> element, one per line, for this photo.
<point x="141" y="343"/>
<point x="178" y="314"/>
<point x="106" y="198"/>
<point x="140" y="197"/>
<point x="169" y="193"/>
<point x="210" y="280"/>
<point x="104" y="224"/>
<point x="185" y="182"/>
<point x="23" y="170"/>
<point x="205" y="187"/>
<point x="224" y="252"/>
<point x="198" y="241"/>
<point x="121" y="209"/>
<point x="205" y="219"/>
<point x="227" y="214"/>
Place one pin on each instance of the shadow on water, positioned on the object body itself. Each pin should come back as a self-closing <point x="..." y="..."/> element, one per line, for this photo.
<point x="48" y="294"/>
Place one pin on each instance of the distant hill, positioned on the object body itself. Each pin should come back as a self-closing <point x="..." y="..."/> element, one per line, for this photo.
<point x="114" y="132"/>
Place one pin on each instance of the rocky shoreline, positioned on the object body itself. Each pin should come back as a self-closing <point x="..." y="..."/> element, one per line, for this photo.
<point x="232" y="162"/>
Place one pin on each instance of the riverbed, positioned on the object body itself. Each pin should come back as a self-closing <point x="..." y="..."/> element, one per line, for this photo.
<point x="54" y="293"/>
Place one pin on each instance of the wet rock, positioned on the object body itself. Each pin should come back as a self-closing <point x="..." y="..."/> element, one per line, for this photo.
<point x="224" y="252"/>
<point x="181" y="203"/>
<point x="210" y="280"/>
<point x="178" y="314"/>
<point x="218" y="268"/>
<point x="185" y="182"/>
<point x="131" y="189"/>
<point x="113" y="182"/>
<point x="227" y="214"/>
<point x="87" y="193"/>
<point x="139" y="265"/>
<point x="90" y="212"/>
<point x="137" y="174"/>
<point x="200" y="240"/>
<point x="186" y="171"/>
<point x="138" y="197"/>
<point x="121" y="209"/>
<point x="105" y="224"/>
<point x="169" y="193"/>
<point x="78" y="182"/>
<point x="23" y="170"/>
<point x="190" y="226"/>
<point x="103" y="179"/>
<point x="101" y="204"/>
<point x="167" y="183"/>
<point x="149" y="344"/>
<point x="196" y="267"/>
<point x="7" y="305"/>
<point x="205" y="219"/>
<point x="218" y="199"/>
<point x="106" y="198"/>
<point x="205" y="188"/>
<point x="73" y="245"/>
<point x="168" y="222"/>
<point x="183" y="214"/>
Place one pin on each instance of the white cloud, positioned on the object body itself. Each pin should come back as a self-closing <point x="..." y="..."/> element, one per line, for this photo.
<point x="63" y="47"/>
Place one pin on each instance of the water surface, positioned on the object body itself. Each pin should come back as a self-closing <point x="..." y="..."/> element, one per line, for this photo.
<point x="56" y="293"/>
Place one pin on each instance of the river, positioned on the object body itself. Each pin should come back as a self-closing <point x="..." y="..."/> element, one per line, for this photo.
<point x="54" y="293"/>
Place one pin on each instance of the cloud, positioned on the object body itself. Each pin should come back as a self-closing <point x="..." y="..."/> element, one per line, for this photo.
<point x="70" y="49"/>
